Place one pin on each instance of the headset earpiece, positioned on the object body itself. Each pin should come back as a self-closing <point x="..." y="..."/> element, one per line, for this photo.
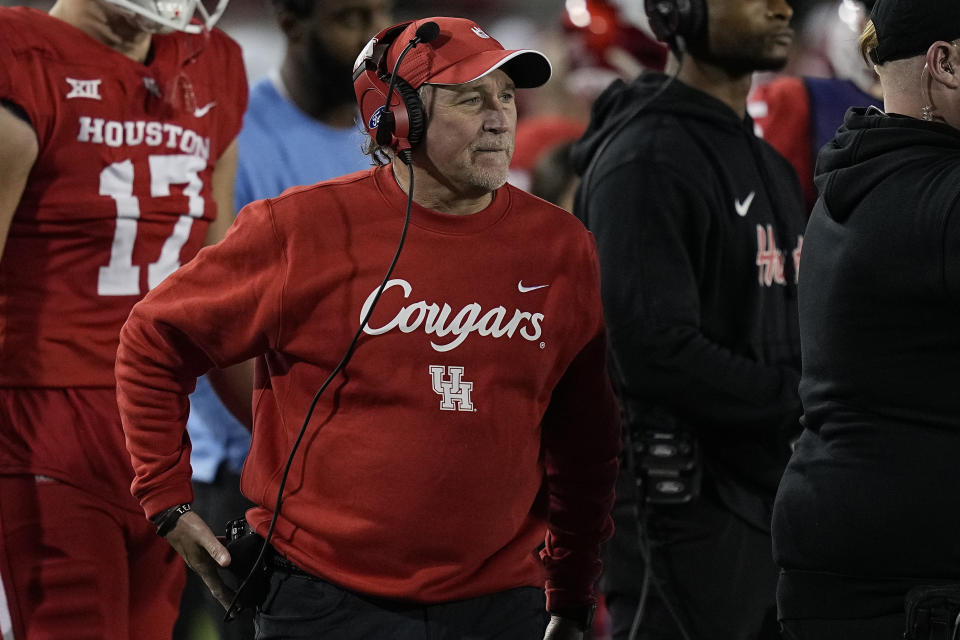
<point x="670" y="19"/>
<point x="403" y="126"/>
<point x="415" y="112"/>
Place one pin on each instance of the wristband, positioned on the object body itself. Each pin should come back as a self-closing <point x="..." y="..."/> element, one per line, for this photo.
<point x="582" y="615"/>
<point x="167" y="520"/>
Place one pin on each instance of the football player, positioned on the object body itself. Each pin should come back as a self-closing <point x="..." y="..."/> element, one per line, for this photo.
<point x="118" y="121"/>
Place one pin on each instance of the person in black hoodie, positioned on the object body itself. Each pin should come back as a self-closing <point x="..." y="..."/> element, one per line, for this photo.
<point x="699" y="229"/>
<point x="866" y="522"/>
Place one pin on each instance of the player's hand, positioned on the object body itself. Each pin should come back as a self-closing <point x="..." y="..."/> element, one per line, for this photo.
<point x="562" y="629"/>
<point x="200" y="549"/>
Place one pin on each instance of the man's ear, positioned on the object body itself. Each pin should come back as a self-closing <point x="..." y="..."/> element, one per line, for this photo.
<point x="290" y="24"/>
<point x="943" y="64"/>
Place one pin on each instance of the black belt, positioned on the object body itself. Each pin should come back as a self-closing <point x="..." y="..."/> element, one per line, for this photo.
<point x="277" y="561"/>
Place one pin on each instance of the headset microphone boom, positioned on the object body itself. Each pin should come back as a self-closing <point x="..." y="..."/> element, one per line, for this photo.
<point x="425" y="33"/>
<point x="398" y="126"/>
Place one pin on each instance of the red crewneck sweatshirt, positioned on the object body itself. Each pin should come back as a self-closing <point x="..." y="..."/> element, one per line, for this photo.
<point x="474" y="422"/>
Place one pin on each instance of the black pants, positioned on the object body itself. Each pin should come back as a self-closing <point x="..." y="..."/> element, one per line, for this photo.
<point x="217" y="503"/>
<point x="882" y="628"/>
<point x="301" y="607"/>
<point x="717" y="572"/>
<point x="831" y="606"/>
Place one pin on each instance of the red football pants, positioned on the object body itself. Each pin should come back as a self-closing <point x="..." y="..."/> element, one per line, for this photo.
<point x="75" y="566"/>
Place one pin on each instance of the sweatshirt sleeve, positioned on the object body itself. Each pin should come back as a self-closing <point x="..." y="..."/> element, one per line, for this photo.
<point x="581" y="443"/>
<point x="221" y="308"/>
<point x="651" y="222"/>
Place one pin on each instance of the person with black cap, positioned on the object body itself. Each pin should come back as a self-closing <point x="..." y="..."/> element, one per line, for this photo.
<point x="699" y="228"/>
<point x="464" y="462"/>
<point x="866" y="521"/>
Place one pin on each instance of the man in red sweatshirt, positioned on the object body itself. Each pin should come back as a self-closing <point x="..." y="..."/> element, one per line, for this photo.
<point x="473" y="422"/>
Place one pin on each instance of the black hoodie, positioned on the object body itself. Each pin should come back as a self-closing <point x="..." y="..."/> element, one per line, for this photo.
<point x="699" y="227"/>
<point x="873" y="489"/>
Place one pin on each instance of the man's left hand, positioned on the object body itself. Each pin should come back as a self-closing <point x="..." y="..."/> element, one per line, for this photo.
<point x="563" y="629"/>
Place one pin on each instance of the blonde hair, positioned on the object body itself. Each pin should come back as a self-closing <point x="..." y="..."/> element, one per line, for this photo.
<point x="868" y="41"/>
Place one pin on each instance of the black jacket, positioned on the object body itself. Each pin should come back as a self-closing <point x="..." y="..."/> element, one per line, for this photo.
<point x="698" y="225"/>
<point x="872" y="489"/>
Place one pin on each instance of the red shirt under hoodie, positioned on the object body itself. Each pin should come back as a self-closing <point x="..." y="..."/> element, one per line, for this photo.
<point x="474" y="421"/>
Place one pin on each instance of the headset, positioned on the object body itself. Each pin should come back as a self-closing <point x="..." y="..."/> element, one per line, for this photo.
<point x="676" y="20"/>
<point x="398" y="123"/>
<point x="400" y="127"/>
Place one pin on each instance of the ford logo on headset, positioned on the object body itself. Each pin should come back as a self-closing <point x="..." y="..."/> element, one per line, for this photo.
<point x="375" y="118"/>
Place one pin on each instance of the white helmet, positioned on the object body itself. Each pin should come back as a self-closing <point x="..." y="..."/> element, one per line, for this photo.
<point x="168" y="15"/>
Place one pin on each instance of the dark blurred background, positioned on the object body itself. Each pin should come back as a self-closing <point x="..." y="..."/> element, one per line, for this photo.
<point x="513" y="22"/>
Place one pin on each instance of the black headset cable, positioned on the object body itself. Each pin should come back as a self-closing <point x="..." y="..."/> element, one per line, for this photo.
<point x="233" y="609"/>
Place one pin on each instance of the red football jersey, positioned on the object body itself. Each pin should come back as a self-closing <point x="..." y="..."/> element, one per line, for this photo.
<point x="781" y="114"/>
<point x="120" y="194"/>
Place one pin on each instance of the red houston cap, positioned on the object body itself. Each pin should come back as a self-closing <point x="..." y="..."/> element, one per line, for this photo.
<point x="463" y="52"/>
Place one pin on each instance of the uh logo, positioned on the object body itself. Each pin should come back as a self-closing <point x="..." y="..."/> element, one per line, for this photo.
<point x="453" y="390"/>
